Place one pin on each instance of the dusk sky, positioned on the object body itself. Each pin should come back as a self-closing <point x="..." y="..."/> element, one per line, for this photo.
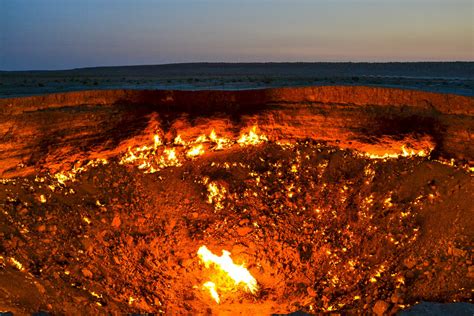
<point x="63" y="34"/>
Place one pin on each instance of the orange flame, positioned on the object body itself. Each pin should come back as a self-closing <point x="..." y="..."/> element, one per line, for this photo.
<point x="252" y="138"/>
<point x="195" y="151"/>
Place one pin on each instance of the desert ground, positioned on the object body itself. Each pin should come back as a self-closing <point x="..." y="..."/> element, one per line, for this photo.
<point x="452" y="77"/>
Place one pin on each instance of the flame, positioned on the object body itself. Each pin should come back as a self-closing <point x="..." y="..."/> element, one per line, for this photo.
<point x="156" y="141"/>
<point x="404" y="153"/>
<point x="239" y="275"/>
<point x="179" y="141"/>
<point x="216" y="195"/>
<point x="195" y="151"/>
<point x="65" y="176"/>
<point x="220" y="142"/>
<point x="211" y="286"/>
<point x="143" y="155"/>
<point x="252" y="138"/>
<point x="170" y="154"/>
<point x="201" y="139"/>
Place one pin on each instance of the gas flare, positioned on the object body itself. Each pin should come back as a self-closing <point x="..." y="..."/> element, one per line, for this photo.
<point x="252" y="138"/>
<point x="211" y="286"/>
<point x="195" y="151"/>
<point x="237" y="274"/>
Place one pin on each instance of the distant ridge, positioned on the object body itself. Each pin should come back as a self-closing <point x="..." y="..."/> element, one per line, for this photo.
<point x="456" y="69"/>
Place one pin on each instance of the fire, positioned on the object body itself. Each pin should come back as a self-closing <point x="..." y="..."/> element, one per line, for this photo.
<point x="179" y="141"/>
<point x="195" y="151"/>
<point x="143" y="155"/>
<point x="170" y="154"/>
<point x="237" y="274"/>
<point x="252" y="138"/>
<point x="211" y="286"/>
<point x="219" y="141"/>
<point x="201" y="139"/>
<point x="404" y="153"/>
<point x="216" y="195"/>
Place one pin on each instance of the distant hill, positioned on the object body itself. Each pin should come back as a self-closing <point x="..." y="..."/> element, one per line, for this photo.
<point x="461" y="70"/>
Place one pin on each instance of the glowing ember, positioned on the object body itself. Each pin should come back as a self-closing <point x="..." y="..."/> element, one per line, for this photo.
<point x="17" y="264"/>
<point x="252" y="138"/>
<point x="238" y="274"/>
<point x="42" y="198"/>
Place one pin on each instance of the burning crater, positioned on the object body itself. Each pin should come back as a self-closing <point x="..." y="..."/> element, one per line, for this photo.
<point x="347" y="199"/>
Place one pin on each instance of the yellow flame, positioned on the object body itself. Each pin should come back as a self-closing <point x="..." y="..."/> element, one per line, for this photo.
<point x="201" y="139"/>
<point x="195" y="151"/>
<point x="219" y="141"/>
<point x="179" y="141"/>
<point x="157" y="141"/>
<point x="252" y="138"/>
<point x="17" y="264"/>
<point x="211" y="286"/>
<point x="404" y="153"/>
<point x="239" y="274"/>
<point x="42" y="198"/>
<point x="216" y="195"/>
<point x="170" y="154"/>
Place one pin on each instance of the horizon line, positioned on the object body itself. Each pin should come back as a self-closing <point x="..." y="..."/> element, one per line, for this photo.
<point x="246" y="62"/>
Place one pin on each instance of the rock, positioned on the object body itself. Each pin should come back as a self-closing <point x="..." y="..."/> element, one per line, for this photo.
<point x="409" y="262"/>
<point x="87" y="273"/>
<point x="380" y="307"/>
<point x="470" y="272"/>
<point x="458" y="252"/>
<point x="311" y="291"/>
<point x="243" y="222"/>
<point x="410" y="274"/>
<point x="396" y="297"/>
<point x="116" y="222"/>
<point x="23" y="211"/>
<point x="242" y="231"/>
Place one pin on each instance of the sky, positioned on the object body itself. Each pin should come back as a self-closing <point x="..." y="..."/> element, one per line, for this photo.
<point x="64" y="34"/>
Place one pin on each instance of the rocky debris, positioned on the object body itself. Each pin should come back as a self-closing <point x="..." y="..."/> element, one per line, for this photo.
<point x="380" y="307"/>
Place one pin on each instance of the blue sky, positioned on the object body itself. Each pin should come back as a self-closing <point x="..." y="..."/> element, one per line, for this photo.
<point x="62" y="34"/>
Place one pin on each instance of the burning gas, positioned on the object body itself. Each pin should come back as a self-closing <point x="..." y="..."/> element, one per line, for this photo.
<point x="233" y="275"/>
<point x="252" y="138"/>
<point x="151" y="158"/>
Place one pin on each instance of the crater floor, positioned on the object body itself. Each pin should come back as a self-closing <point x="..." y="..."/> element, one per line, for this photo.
<point x="319" y="228"/>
